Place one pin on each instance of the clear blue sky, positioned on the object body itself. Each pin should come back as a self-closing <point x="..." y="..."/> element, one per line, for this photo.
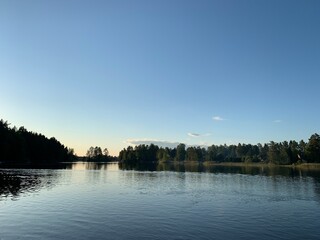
<point x="113" y="73"/>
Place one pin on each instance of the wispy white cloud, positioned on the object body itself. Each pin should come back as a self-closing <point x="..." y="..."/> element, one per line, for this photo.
<point x="146" y="141"/>
<point x="218" y="118"/>
<point x="195" y="135"/>
<point x="277" y="121"/>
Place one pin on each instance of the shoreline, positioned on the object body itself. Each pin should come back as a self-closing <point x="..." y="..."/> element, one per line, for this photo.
<point x="243" y="164"/>
<point x="303" y="166"/>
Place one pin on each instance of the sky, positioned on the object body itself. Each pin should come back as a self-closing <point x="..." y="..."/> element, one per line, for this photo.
<point x="118" y="73"/>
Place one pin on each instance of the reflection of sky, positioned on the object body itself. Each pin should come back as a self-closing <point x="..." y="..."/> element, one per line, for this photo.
<point x="95" y="166"/>
<point x="93" y="204"/>
<point x="279" y="182"/>
<point x="85" y="173"/>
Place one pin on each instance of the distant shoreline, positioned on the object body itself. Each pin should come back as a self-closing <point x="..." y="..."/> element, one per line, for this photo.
<point x="243" y="164"/>
<point x="309" y="166"/>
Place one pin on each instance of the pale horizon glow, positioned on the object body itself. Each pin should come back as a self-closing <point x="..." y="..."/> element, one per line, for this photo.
<point x="113" y="73"/>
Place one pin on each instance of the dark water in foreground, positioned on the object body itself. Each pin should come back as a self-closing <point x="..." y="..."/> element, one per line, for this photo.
<point x="88" y="201"/>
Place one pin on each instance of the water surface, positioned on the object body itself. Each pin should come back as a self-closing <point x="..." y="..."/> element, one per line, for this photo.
<point x="100" y="201"/>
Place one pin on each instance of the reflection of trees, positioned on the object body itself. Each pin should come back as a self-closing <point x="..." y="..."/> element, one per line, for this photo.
<point x="138" y="166"/>
<point x="317" y="187"/>
<point x="93" y="166"/>
<point x="278" y="181"/>
<point x="265" y="170"/>
<point x="14" y="183"/>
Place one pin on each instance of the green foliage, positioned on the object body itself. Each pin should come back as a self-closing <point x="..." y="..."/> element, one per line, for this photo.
<point x="191" y="154"/>
<point x="94" y="154"/>
<point x="276" y="153"/>
<point x="313" y="149"/>
<point x="181" y="152"/>
<point x="195" y="154"/>
<point x="163" y="155"/>
<point x="140" y="154"/>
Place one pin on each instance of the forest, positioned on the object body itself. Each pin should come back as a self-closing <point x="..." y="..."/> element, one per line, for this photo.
<point x="282" y="153"/>
<point x="18" y="145"/>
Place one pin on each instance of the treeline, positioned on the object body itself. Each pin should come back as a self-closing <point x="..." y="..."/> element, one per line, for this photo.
<point x="95" y="154"/>
<point x="18" y="145"/>
<point x="282" y="153"/>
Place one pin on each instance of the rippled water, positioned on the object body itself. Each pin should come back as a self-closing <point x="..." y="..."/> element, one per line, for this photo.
<point x="87" y="201"/>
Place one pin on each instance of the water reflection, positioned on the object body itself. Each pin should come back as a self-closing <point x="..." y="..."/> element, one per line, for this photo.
<point x="264" y="170"/>
<point x="298" y="175"/>
<point x="14" y="183"/>
<point x="17" y="182"/>
<point x="110" y="166"/>
<point x="190" y="201"/>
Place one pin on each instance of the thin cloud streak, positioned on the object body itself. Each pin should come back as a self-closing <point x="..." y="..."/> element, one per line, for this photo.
<point x="195" y="135"/>
<point x="218" y="118"/>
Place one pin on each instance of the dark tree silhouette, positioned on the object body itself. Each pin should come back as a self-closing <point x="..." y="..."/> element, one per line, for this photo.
<point x="95" y="154"/>
<point x="23" y="146"/>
